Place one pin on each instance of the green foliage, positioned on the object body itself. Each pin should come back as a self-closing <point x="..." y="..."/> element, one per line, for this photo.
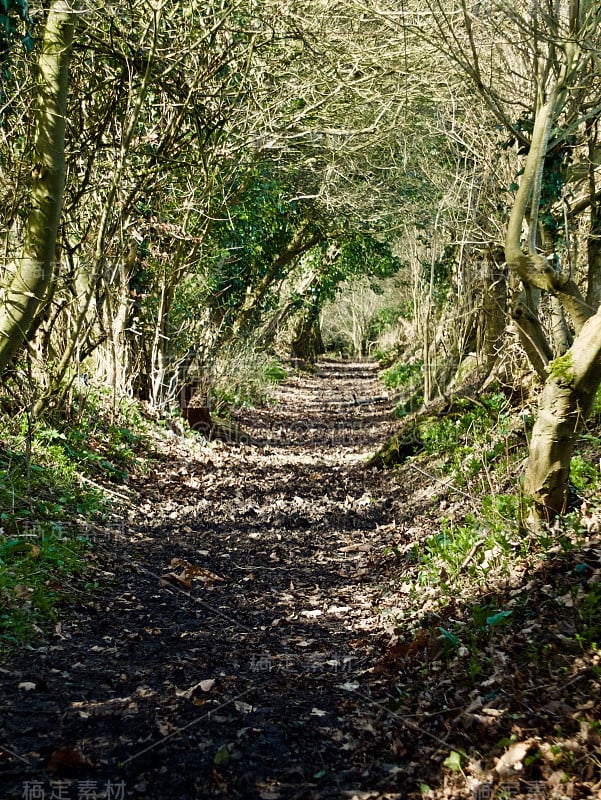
<point x="440" y="273"/>
<point x="242" y="376"/>
<point x="472" y="549"/>
<point x="471" y="446"/>
<point x="495" y="620"/>
<point x="95" y="445"/>
<point x="275" y="372"/>
<point x="363" y="254"/>
<point x="15" y="26"/>
<point x="455" y="760"/>
<point x="35" y="575"/>
<point x="552" y="188"/>
<point x="50" y="476"/>
<point x="584" y="476"/>
<point x="444" y="267"/>
<point x="384" y="318"/>
<point x="400" y="374"/>
<point x="589" y="634"/>
<point x="45" y="489"/>
<point x="15" y="23"/>
<point x="260" y="225"/>
<point x="596" y="409"/>
<point x="472" y="436"/>
<point x="406" y="380"/>
<point x="449" y="637"/>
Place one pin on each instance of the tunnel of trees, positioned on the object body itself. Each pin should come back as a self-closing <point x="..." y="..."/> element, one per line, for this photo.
<point x="179" y="182"/>
<point x="202" y="200"/>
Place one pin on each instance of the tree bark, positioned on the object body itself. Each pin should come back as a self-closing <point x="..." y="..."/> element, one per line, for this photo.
<point x="565" y="403"/>
<point x="593" y="294"/>
<point x="532" y="336"/>
<point x="494" y="307"/>
<point x="34" y="271"/>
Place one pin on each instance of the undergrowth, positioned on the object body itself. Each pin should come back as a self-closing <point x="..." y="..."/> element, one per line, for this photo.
<point x="240" y="377"/>
<point x="477" y="453"/>
<point x="485" y="568"/>
<point x="52" y="475"/>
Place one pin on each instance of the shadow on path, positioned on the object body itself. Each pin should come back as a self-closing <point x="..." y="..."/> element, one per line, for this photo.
<point x="228" y="650"/>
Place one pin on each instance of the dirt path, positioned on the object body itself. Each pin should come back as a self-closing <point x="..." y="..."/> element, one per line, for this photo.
<point x="230" y="647"/>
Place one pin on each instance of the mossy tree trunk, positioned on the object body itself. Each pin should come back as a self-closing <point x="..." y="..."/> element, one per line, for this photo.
<point x="572" y="379"/>
<point x="566" y="401"/>
<point x="33" y="276"/>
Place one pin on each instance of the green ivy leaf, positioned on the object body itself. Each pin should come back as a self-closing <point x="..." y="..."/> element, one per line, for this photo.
<point x="498" y="619"/>
<point x="453" y="761"/>
<point x="449" y="636"/>
<point x="28" y="42"/>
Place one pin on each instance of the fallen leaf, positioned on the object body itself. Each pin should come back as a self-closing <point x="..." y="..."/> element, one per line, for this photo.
<point x="205" y="686"/>
<point x="165" y="728"/>
<point x="171" y="579"/>
<point x="511" y="760"/>
<point x="193" y="573"/>
<point x="67" y="758"/>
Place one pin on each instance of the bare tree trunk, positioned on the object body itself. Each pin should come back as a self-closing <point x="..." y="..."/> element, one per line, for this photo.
<point x="560" y="333"/>
<point x="34" y="273"/>
<point x="530" y="331"/>
<point x="160" y="341"/>
<point x="571" y="380"/>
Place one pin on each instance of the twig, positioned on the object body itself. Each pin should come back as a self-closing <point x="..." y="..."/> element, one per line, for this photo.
<point x="472" y="552"/>
<point x="99" y="486"/>
<point x="413" y="725"/>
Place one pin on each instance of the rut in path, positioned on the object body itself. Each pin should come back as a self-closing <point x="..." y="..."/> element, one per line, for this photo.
<point x="230" y="648"/>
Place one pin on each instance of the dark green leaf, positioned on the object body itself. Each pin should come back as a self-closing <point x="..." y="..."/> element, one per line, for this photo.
<point x="28" y="42"/>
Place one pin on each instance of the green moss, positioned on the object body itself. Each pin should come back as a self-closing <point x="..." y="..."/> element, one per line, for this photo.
<point x="561" y="369"/>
